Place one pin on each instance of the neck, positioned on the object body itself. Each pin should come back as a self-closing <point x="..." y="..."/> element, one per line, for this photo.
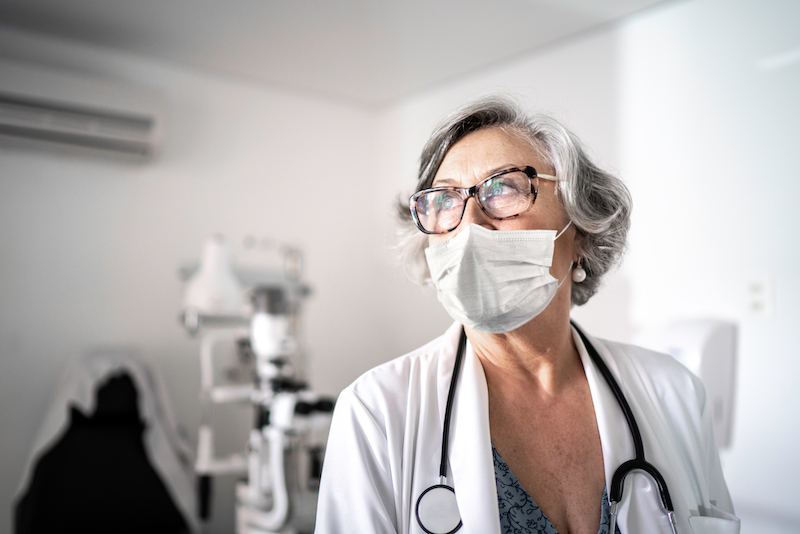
<point x="539" y="355"/>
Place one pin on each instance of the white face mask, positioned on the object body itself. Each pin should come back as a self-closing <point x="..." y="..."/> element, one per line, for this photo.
<point x="495" y="281"/>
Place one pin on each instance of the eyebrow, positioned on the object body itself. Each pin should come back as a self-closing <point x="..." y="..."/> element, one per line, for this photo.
<point x="445" y="181"/>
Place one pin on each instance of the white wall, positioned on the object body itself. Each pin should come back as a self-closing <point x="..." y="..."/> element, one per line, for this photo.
<point x="687" y="103"/>
<point x="91" y="248"/>
<point x="674" y="99"/>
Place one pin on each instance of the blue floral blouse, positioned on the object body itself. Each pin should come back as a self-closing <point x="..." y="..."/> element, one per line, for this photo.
<point x="520" y="515"/>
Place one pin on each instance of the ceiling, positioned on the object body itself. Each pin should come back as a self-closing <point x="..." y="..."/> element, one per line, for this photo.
<point x="370" y="52"/>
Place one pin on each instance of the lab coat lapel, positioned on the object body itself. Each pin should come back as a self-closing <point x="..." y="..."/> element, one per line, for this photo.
<point x="615" y="436"/>
<point x="471" y="451"/>
<point x="640" y="510"/>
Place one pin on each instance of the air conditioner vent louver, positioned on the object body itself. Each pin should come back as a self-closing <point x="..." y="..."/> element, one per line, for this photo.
<point x="82" y="126"/>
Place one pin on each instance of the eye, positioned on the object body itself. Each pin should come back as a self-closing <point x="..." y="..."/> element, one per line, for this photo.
<point x="497" y="187"/>
<point x="447" y="200"/>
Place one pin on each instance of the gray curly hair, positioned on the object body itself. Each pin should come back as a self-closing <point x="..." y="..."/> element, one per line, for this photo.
<point x="597" y="203"/>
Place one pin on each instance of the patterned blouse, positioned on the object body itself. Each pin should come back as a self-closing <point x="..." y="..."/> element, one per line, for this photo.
<point x="520" y="515"/>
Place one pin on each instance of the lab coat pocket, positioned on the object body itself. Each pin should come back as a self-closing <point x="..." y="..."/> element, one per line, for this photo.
<point x="702" y="524"/>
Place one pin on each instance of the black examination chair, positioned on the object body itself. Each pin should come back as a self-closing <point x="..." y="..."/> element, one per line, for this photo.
<point x="99" y="475"/>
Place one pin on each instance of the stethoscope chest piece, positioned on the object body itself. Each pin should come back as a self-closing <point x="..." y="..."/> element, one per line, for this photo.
<point x="437" y="510"/>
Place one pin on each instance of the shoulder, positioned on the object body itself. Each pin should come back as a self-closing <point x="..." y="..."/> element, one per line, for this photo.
<point x="672" y="402"/>
<point x="373" y="439"/>
<point x="396" y="375"/>
<point x="659" y="376"/>
<point x="387" y="388"/>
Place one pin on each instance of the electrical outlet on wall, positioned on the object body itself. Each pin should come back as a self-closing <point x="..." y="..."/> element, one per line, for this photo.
<point x="760" y="297"/>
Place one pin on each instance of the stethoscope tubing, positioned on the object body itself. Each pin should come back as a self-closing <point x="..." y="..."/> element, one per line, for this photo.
<point x="639" y="462"/>
<point x="462" y="345"/>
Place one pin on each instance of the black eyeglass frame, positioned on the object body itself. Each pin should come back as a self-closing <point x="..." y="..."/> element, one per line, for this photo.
<point x="467" y="192"/>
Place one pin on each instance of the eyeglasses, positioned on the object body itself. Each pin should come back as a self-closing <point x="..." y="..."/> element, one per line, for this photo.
<point x="502" y="195"/>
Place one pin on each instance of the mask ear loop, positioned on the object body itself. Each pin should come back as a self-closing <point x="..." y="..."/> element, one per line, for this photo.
<point x="565" y="277"/>
<point x="570" y="265"/>
<point x="562" y="231"/>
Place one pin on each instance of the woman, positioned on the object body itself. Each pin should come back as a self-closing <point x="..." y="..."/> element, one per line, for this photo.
<point x="517" y="225"/>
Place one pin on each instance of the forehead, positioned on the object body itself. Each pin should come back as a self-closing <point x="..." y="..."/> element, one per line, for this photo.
<point x="481" y="153"/>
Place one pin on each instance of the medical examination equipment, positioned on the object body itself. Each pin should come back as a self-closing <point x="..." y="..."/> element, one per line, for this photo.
<point x="285" y="447"/>
<point x="214" y="288"/>
<point x="437" y="509"/>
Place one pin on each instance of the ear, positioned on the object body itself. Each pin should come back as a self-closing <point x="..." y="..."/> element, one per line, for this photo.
<point x="577" y="244"/>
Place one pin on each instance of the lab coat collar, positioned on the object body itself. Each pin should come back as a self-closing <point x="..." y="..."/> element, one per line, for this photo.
<point x="471" y="462"/>
<point x="470" y="452"/>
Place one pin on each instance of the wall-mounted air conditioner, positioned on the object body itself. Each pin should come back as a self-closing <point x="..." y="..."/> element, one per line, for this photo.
<point x="42" y="107"/>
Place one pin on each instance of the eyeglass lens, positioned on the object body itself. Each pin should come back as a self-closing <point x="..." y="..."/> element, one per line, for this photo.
<point x="440" y="211"/>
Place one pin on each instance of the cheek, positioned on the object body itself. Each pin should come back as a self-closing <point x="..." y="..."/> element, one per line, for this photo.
<point x="436" y="238"/>
<point x="547" y="209"/>
<point x="532" y="219"/>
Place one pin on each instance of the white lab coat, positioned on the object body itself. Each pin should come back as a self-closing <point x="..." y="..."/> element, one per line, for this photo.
<point x="385" y="443"/>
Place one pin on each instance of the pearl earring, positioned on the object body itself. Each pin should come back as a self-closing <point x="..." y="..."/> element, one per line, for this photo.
<point x="578" y="273"/>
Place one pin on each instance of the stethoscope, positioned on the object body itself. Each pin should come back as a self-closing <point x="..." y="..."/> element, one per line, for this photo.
<point x="437" y="510"/>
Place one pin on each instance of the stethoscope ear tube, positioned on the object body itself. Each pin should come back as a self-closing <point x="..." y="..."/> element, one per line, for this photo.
<point x="638" y="463"/>
<point x="437" y="508"/>
<point x="612" y="382"/>
<point x="462" y="344"/>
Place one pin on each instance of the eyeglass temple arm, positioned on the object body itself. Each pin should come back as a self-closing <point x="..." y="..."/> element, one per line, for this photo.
<point x="549" y="177"/>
